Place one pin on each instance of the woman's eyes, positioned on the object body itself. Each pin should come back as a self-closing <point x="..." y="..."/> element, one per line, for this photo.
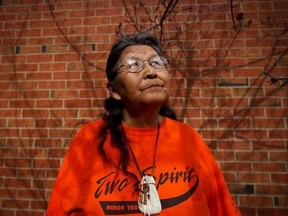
<point x="155" y="62"/>
<point x="138" y="64"/>
<point x="133" y="64"/>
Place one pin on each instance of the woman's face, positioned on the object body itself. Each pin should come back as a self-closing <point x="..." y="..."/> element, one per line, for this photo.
<point x="150" y="86"/>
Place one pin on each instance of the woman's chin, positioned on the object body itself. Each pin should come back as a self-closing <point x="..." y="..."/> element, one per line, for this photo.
<point x="155" y="99"/>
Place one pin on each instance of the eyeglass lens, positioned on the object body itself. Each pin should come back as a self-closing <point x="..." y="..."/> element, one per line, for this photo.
<point x="136" y="65"/>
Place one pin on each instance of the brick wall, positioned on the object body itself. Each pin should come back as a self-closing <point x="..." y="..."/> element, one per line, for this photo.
<point x="52" y="80"/>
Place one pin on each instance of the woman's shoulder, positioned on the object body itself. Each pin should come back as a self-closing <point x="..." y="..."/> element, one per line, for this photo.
<point x="185" y="131"/>
<point x="171" y="123"/>
<point x="97" y="123"/>
<point x="86" y="137"/>
<point x="89" y="129"/>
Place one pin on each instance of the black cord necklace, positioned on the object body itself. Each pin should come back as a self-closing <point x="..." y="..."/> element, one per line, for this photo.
<point x="149" y="202"/>
<point x="141" y="173"/>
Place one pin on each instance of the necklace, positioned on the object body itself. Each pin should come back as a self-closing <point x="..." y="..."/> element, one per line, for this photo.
<point x="148" y="202"/>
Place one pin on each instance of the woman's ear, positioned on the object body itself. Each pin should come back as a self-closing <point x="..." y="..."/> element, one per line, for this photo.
<point x="113" y="91"/>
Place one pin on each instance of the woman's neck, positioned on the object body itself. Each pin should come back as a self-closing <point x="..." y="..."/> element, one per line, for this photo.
<point x="142" y="119"/>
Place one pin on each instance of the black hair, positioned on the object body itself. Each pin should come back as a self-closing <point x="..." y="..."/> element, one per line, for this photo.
<point x="114" y="109"/>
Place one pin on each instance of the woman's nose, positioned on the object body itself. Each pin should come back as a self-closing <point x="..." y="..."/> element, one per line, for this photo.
<point x="149" y="72"/>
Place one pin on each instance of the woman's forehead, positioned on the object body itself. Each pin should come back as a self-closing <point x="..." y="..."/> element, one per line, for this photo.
<point x="138" y="51"/>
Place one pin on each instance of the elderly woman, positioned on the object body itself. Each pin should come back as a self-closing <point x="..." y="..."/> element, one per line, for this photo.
<point x="137" y="159"/>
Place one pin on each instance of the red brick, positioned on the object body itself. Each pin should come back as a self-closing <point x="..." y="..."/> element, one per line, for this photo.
<point x="256" y="201"/>
<point x="23" y="85"/>
<point x="8" y="212"/>
<point x="44" y="163"/>
<point x="269" y="189"/>
<point x="235" y="166"/>
<point x="224" y="155"/>
<point x="33" y="173"/>
<point x="282" y="201"/>
<point x="193" y="102"/>
<point x="47" y="183"/>
<point x="279" y="156"/>
<point x="40" y="58"/>
<point x="64" y="113"/>
<point x="251" y="134"/>
<point x="51" y="84"/>
<point x="34" y="132"/>
<point x="216" y="92"/>
<point x="78" y="84"/>
<point x="81" y="103"/>
<point x="10" y="132"/>
<point x="269" y="167"/>
<point x="36" y="113"/>
<point x="101" y="4"/>
<point x="229" y="177"/>
<point x="234" y="123"/>
<point x="280" y="178"/>
<point x="275" y="123"/>
<point x="248" y="92"/>
<point x="227" y="102"/>
<point x="61" y="133"/>
<point x="29" y="212"/>
<point x="30" y="194"/>
<point x="272" y="211"/>
<point x="9" y="162"/>
<point x="87" y="113"/>
<point x="233" y="144"/>
<point x="22" y="204"/>
<point x="82" y="13"/>
<point x="66" y="75"/>
<point x="278" y="134"/>
<point x="100" y="20"/>
<point x="71" y="5"/>
<point x="96" y="93"/>
<point x="17" y="183"/>
<point x="267" y="145"/>
<point x="109" y="12"/>
<point x="57" y="153"/>
<point x="29" y="49"/>
<point x="54" y="123"/>
<point x="40" y="204"/>
<point x="64" y="94"/>
<point x="252" y="156"/>
<point x="66" y="57"/>
<point x="51" y="66"/>
<point x="16" y="142"/>
<point x="50" y="142"/>
<point x="21" y="122"/>
<point x="253" y="177"/>
<point x="249" y="111"/>
<point x="36" y="94"/>
<point x="248" y="211"/>
<point x="45" y="103"/>
<point x="33" y="153"/>
<point x="7" y="172"/>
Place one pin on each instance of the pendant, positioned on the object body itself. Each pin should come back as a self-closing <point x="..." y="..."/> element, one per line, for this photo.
<point x="149" y="202"/>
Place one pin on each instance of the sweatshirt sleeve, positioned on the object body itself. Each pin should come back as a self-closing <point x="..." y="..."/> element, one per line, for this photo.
<point x="213" y="185"/>
<point x="225" y="204"/>
<point x="65" y="181"/>
<point x="55" y="206"/>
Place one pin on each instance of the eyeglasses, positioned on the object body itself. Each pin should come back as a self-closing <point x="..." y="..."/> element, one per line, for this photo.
<point x="134" y="65"/>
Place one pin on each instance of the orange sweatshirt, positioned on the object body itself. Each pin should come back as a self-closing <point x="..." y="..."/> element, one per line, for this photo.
<point x="188" y="179"/>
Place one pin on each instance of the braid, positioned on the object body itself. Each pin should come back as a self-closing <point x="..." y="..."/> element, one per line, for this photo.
<point x="113" y="119"/>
